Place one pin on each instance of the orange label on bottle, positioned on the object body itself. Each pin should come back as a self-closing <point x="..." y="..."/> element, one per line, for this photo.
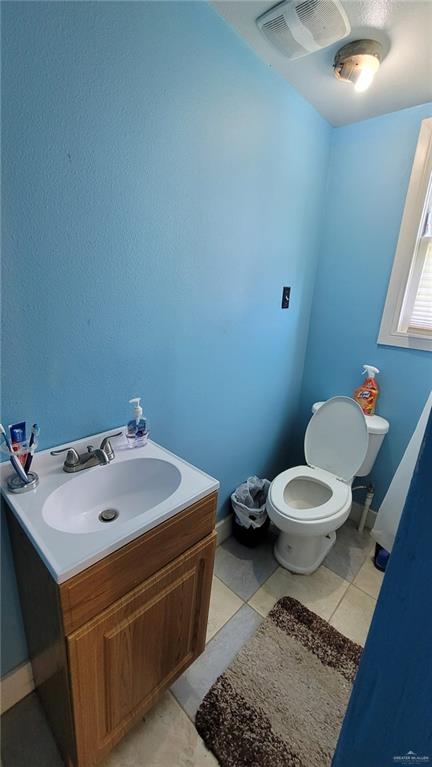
<point x="366" y="396"/>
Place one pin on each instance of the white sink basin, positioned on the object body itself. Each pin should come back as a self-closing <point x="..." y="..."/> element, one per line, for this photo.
<point x="146" y="486"/>
<point x="129" y="488"/>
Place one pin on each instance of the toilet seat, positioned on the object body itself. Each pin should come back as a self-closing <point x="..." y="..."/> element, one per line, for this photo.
<point x="336" y="438"/>
<point x="309" y="503"/>
<point x="340" y="494"/>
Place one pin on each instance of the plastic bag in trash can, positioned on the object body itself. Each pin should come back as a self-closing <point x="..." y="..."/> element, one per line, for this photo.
<point x="249" y="502"/>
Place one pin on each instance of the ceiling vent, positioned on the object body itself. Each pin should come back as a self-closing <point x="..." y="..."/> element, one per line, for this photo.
<point x="298" y="27"/>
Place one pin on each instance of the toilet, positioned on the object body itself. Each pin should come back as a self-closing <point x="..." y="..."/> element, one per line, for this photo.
<point x="309" y="503"/>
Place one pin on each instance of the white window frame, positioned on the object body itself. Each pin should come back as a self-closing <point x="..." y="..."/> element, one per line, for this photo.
<point x="404" y="262"/>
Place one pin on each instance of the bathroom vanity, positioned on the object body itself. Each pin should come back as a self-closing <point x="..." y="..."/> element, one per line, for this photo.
<point x="115" y="613"/>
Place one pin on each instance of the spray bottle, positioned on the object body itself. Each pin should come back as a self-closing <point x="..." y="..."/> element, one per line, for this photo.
<point x="366" y="395"/>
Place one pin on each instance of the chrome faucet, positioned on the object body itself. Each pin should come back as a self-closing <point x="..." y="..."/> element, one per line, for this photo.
<point x="95" y="456"/>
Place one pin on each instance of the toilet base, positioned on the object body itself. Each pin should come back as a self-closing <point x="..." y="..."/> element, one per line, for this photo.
<point x="302" y="554"/>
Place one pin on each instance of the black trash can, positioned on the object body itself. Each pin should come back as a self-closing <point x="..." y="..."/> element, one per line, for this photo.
<point x="250" y="520"/>
<point x="250" y="536"/>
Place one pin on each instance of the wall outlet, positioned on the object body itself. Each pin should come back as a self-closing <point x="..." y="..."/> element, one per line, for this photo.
<point x="285" y="297"/>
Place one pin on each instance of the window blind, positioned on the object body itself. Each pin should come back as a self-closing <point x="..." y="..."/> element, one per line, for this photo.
<point x="421" y="313"/>
<point x="416" y="315"/>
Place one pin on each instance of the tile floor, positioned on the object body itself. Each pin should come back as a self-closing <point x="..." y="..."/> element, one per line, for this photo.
<point x="246" y="585"/>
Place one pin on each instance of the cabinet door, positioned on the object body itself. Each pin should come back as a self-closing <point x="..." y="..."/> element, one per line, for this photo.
<point x="124" y="658"/>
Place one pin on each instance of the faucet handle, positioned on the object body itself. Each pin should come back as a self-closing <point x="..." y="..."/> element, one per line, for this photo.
<point x="107" y="447"/>
<point x="72" y="458"/>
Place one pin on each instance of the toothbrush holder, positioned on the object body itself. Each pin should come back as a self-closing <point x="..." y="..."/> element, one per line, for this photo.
<point x="14" y="483"/>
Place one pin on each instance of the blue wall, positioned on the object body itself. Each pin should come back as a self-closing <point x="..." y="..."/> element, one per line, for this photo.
<point x="13" y="645"/>
<point x="162" y="185"/>
<point x="369" y="170"/>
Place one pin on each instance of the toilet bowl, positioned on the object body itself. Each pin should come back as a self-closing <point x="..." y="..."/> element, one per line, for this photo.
<point x="309" y="503"/>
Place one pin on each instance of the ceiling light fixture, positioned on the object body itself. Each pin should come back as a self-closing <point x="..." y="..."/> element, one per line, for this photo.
<point x="358" y="62"/>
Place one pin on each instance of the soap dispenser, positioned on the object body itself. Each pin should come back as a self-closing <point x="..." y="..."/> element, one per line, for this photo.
<point x="137" y="432"/>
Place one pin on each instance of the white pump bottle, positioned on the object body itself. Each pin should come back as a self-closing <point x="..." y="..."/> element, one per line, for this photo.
<point x="137" y="426"/>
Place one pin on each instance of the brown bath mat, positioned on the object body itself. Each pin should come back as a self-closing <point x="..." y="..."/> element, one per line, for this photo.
<point x="282" y="700"/>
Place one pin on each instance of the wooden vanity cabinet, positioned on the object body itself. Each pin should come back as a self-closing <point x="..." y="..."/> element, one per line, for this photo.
<point x="121" y="660"/>
<point x="115" y="636"/>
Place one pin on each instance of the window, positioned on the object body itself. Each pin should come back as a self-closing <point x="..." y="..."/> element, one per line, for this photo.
<point x="407" y="317"/>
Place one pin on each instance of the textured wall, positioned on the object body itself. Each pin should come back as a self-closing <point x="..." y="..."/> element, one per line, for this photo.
<point x="369" y="170"/>
<point x="162" y="185"/>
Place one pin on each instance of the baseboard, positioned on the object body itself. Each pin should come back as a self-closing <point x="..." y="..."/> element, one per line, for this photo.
<point x="15" y="685"/>
<point x="224" y="526"/>
<point x="356" y="512"/>
<point x="224" y="529"/>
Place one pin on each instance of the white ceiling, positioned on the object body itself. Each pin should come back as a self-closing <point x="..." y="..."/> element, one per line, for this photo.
<point x="404" y="78"/>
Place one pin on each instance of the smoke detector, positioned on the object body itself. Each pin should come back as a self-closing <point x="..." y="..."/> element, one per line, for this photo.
<point x="358" y="62"/>
<point x="299" y="27"/>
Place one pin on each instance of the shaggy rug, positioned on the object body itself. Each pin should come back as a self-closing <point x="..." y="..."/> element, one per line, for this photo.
<point x="282" y="700"/>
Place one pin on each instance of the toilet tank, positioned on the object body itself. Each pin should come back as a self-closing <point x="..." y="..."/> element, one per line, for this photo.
<point x="377" y="429"/>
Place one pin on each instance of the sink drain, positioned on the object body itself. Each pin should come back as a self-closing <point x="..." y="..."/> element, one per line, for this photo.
<point x="108" y="515"/>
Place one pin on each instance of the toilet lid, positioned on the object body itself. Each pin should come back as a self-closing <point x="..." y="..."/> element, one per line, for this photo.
<point x="336" y="438"/>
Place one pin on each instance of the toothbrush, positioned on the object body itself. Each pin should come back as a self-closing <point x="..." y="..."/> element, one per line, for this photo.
<point x="14" y="461"/>
<point x="34" y="433"/>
